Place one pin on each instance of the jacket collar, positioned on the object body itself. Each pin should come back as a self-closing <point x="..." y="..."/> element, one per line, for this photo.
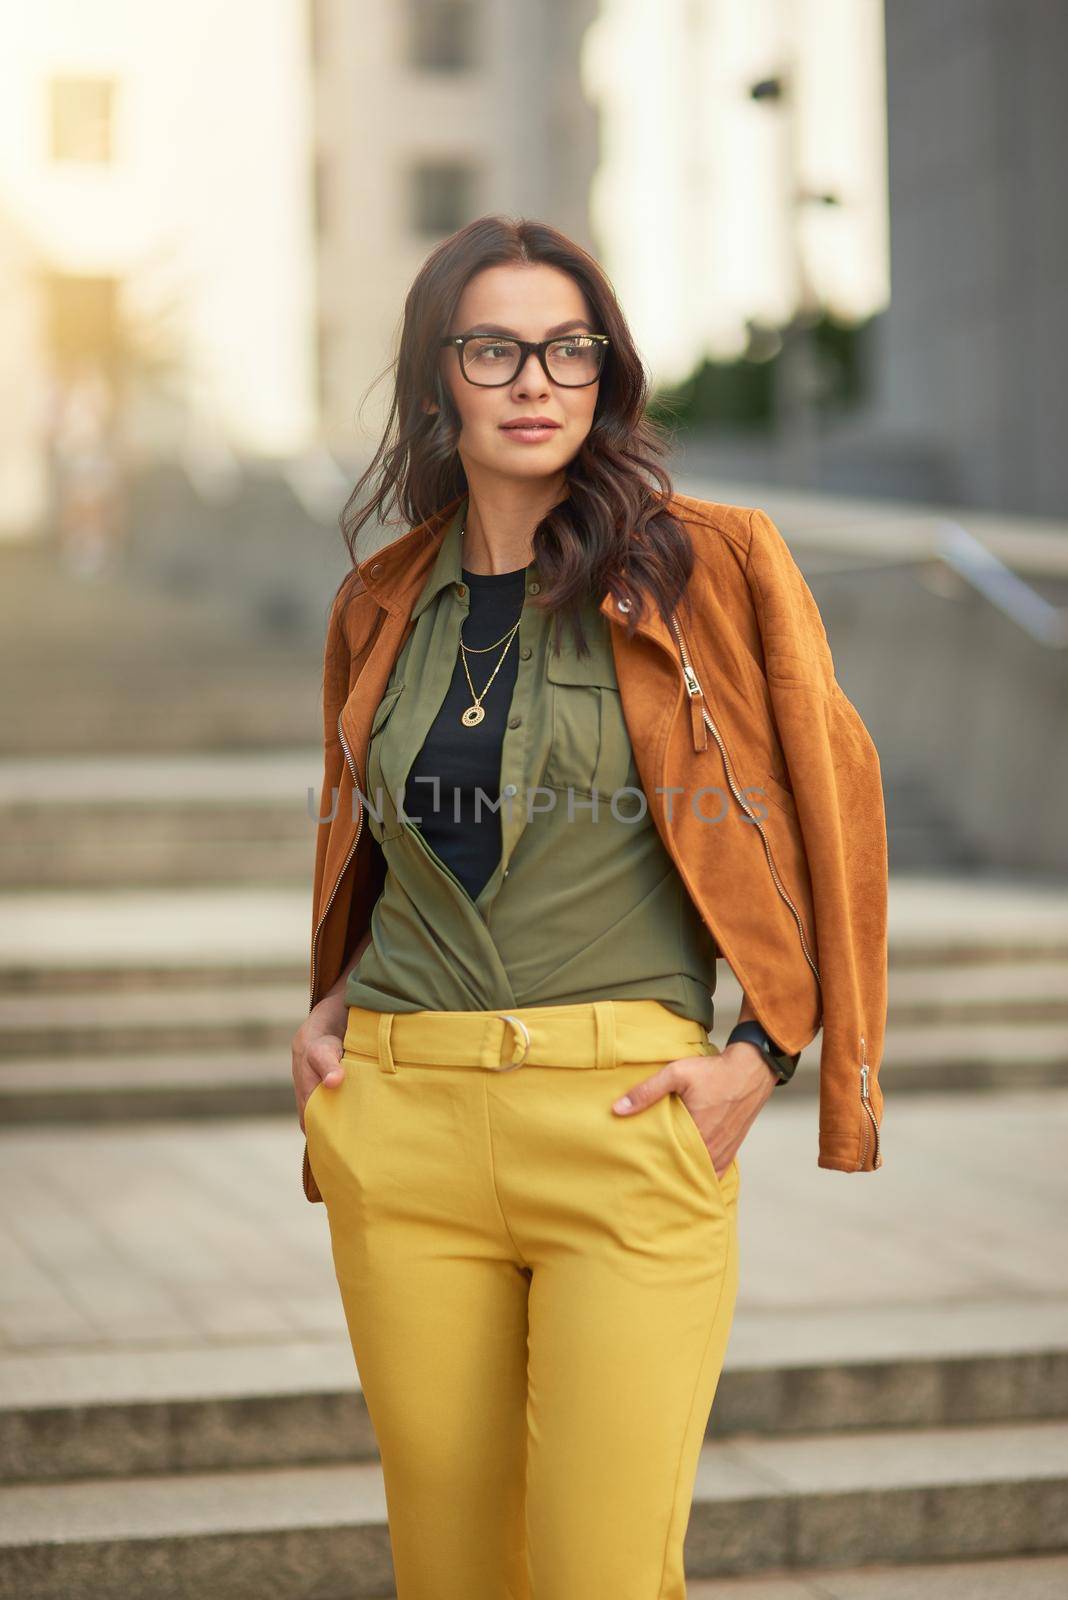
<point x="395" y="574"/>
<point x="405" y="575"/>
<point x="447" y="565"/>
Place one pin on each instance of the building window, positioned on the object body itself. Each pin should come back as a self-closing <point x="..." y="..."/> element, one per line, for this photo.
<point x="442" y="35"/>
<point x="442" y="196"/>
<point x="82" y="115"/>
<point x="82" y="321"/>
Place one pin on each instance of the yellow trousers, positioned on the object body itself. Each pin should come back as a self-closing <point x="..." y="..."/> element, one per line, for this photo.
<point x="538" y="1290"/>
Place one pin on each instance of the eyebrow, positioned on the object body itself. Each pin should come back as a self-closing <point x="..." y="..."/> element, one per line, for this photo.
<point x="550" y="333"/>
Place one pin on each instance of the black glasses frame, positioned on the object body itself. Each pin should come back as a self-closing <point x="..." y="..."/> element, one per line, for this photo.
<point x="526" y="348"/>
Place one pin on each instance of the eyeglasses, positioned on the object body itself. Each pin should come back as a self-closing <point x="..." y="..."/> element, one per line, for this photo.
<point x="573" y="361"/>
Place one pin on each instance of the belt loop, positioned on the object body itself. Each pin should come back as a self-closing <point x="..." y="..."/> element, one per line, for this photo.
<point x="386" y="1062"/>
<point x="604" y="1022"/>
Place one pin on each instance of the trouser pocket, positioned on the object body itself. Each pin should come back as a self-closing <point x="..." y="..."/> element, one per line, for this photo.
<point x="692" y="1146"/>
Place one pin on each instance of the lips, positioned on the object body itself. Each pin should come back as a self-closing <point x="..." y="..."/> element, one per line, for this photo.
<point x="530" y="430"/>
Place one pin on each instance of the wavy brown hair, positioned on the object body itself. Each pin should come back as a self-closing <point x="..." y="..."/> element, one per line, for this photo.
<point x="613" y="530"/>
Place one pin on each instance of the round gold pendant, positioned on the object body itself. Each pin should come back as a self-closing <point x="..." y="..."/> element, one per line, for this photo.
<point x="472" y="716"/>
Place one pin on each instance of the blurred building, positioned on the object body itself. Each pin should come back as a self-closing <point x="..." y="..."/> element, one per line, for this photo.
<point x="429" y="113"/>
<point x="766" y="159"/>
<point x="743" y="169"/>
<point x="154" y="227"/>
<point x="971" y="353"/>
<point x="23" y="467"/>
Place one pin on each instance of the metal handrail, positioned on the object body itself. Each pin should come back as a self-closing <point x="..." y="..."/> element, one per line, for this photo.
<point x="968" y="556"/>
<point x="960" y="550"/>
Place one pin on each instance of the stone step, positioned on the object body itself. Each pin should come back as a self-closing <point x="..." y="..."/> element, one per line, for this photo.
<point x="212" y="1082"/>
<point x="218" y="1080"/>
<point x="167" y="820"/>
<point x="220" y="1074"/>
<point x="976" y="991"/>
<point x="53" y="940"/>
<point x="277" y="854"/>
<point x="141" y="1022"/>
<point x="955" y="944"/>
<point x="106" y="1009"/>
<point x="205" y="1407"/>
<point x="761" y="1505"/>
<point x="1026" y="1578"/>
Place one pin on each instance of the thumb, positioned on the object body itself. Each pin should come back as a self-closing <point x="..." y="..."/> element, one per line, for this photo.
<point x="336" y="1073"/>
<point x="645" y="1093"/>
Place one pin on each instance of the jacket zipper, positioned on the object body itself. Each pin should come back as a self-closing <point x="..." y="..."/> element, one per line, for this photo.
<point x="344" y="864"/>
<point x="869" y="1108"/>
<point x="700" y="718"/>
<point x="700" y="742"/>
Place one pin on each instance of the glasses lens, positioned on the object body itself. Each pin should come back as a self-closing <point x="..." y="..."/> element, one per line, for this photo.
<point x="491" y="361"/>
<point x="574" y="361"/>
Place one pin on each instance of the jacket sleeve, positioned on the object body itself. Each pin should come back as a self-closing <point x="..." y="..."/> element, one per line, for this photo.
<point x="836" y="778"/>
<point x="335" y="688"/>
<point x="337" y="660"/>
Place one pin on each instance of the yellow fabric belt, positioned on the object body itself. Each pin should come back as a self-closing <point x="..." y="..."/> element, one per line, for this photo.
<point x="591" y="1034"/>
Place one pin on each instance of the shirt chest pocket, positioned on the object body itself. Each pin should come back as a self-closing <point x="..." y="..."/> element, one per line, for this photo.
<point x="382" y="758"/>
<point x="590" y="749"/>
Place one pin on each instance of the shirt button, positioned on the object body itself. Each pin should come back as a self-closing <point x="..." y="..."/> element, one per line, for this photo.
<point x="461" y="588"/>
<point x="511" y="788"/>
<point x="534" y="588"/>
<point x="526" y="652"/>
<point x="515" y="722"/>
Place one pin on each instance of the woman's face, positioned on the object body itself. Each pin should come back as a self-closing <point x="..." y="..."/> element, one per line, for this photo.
<point x="532" y="302"/>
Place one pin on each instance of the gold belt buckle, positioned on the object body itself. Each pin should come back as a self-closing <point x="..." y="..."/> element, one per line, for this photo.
<point x="519" y="1023"/>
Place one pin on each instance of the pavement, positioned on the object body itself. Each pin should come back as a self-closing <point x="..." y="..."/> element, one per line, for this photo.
<point x="187" y="1236"/>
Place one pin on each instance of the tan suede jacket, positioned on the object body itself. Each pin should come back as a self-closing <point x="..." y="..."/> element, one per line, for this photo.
<point x="735" y="714"/>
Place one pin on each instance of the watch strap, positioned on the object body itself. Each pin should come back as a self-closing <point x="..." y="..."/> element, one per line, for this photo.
<point x="753" y="1032"/>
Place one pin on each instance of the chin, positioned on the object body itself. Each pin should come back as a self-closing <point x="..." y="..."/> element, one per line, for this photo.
<point x="535" y="465"/>
<point x="541" y="473"/>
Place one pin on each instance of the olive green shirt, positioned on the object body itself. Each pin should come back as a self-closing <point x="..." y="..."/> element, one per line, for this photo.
<point x="580" y="907"/>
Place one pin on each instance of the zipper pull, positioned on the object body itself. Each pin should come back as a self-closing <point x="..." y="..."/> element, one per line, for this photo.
<point x="697" y="708"/>
<point x="864" y="1070"/>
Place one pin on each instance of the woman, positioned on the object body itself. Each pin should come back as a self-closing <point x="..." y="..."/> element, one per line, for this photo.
<point x="525" y="1141"/>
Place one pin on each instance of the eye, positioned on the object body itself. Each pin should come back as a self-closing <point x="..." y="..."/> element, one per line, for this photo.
<point x="491" y="349"/>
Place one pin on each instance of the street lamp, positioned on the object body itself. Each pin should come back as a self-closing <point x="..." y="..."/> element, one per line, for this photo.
<point x="799" y="371"/>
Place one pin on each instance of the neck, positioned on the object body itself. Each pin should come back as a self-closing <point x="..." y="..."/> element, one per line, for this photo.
<point x="502" y="514"/>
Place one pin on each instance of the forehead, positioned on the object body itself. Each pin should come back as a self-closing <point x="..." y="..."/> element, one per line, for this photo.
<point x="528" y="298"/>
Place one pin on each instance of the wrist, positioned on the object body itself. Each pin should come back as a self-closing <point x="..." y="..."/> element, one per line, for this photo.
<point x="329" y="1016"/>
<point x="781" y="1066"/>
<point x="770" y="1073"/>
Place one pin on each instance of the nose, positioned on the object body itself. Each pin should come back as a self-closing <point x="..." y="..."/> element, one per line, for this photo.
<point x="531" y="378"/>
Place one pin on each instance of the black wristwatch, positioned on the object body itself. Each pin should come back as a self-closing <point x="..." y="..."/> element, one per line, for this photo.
<point x="782" y="1065"/>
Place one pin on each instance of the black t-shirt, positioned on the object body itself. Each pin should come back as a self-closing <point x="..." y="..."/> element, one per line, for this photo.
<point x="465" y="759"/>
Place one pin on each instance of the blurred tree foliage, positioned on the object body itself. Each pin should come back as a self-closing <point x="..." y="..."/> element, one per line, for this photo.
<point x="740" y="394"/>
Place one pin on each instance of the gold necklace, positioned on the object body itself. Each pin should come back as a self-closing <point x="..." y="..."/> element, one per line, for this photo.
<point x="474" y="713"/>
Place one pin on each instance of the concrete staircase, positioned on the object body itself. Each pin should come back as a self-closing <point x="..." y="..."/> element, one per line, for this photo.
<point x="129" y="821"/>
<point x="898" y="1427"/>
<point x="251" y="1472"/>
<point x="184" y="1002"/>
